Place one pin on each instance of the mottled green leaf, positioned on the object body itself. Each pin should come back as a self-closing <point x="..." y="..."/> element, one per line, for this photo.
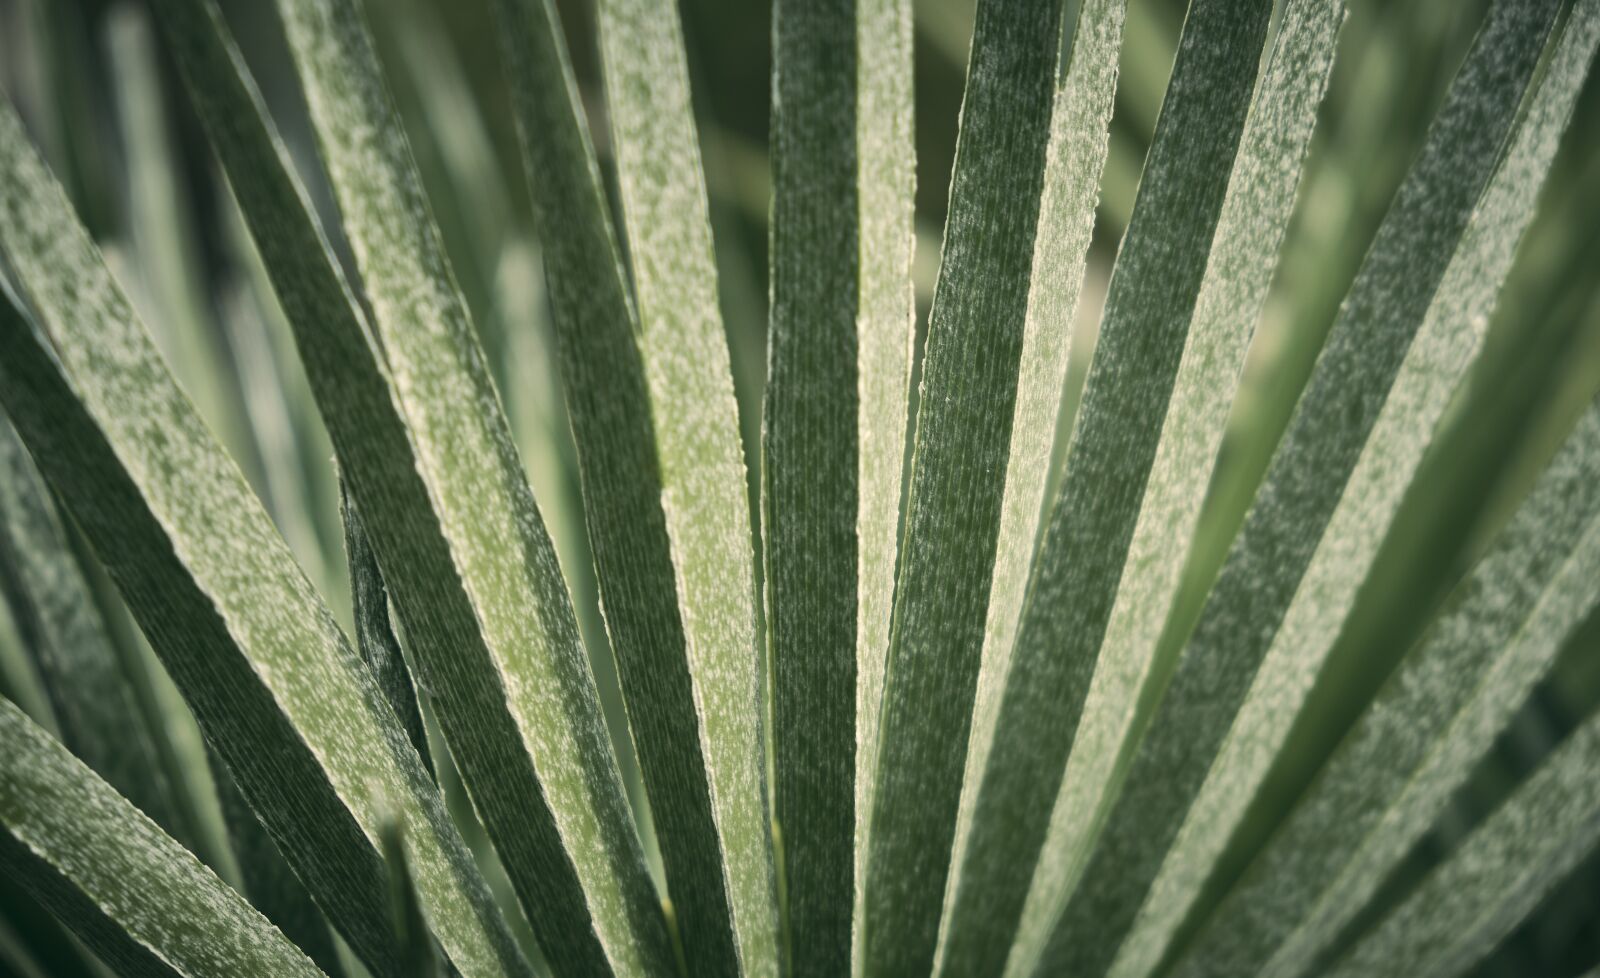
<point x="1149" y="863"/>
<point x="1498" y="874"/>
<point x="1454" y="691"/>
<point x="430" y="464"/>
<point x="135" y="896"/>
<point x="280" y="693"/>
<point x="969" y="391"/>
<point x="701" y="465"/>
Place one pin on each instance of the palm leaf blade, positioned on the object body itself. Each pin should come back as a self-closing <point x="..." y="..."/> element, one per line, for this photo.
<point x="113" y="876"/>
<point x="258" y="657"/>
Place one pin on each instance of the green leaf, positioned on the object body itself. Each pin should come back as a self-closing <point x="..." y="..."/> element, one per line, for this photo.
<point x="1113" y="446"/>
<point x="165" y="248"/>
<point x="411" y="927"/>
<point x="1497" y="876"/>
<point x="20" y="681"/>
<point x="1075" y="161"/>
<point x="375" y="636"/>
<point x="1429" y="725"/>
<point x="299" y="485"/>
<point x="975" y="341"/>
<point x="811" y="506"/>
<point x="430" y="464"/>
<point x="1080" y="598"/>
<point x="265" y="877"/>
<point x="135" y="896"/>
<point x="82" y="670"/>
<point x="1458" y="688"/>
<point x="1293" y="538"/>
<point x="886" y="316"/>
<point x="608" y="401"/>
<point x="701" y="464"/>
<point x="283" y="698"/>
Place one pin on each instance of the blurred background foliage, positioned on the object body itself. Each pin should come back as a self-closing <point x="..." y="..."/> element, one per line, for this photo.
<point x="104" y="105"/>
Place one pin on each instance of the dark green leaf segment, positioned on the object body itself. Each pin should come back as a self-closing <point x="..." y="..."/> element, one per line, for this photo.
<point x="608" y="400"/>
<point x="809" y="471"/>
<point x="141" y="901"/>
<point x="957" y="479"/>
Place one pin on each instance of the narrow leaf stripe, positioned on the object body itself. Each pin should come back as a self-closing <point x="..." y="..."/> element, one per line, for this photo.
<point x="1327" y="502"/>
<point x="81" y="669"/>
<point x="886" y="313"/>
<point x="161" y="228"/>
<point x="1433" y="721"/>
<point x="608" y="401"/>
<point x="1255" y="211"/>
<point x="410" y="924"/>
<point x="266" y="879"/>
<point x="1456" y="689"/>
<point x="379" y="456"/>
<point x="810" y="447"/>
<point x="505" y="665"/>
<point x="375" y="638"/>
<point x="283" y="698"/>
<point x="1137" y="355"/>
<point x="138" y="898"/>
<point x="1497" y="876"/>
<point x="703" y="485"/>
<point x="19" y="675"/>
<point x="969" y="389"/>
<point x="976" y="925"/>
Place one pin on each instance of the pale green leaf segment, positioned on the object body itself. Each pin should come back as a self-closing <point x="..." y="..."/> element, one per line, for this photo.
<point x="702" y="468"/>
<point x="161" y="227"/>
<point x="810" y="443"/>
<point x="609" y="401"/>
<point x="131" y="892"/>
<point x="19" y="676"/>
<point x="1147" y="867"/>
<point x="265" y="877"/>
<point x="283" y="698"/>
<point x="1498" y="875"/>
<point x="1458" y="688"/>
<point x="1432" y="721"/>
<point x="1136" y="595"/>
<point x="84" y="675"/>
<point x="431" y="467"/>
<point x="969" y="390"/>
<point x="886" y="168"/>
<point x="1142" y="338"/>
<point x="1075" y="159"/>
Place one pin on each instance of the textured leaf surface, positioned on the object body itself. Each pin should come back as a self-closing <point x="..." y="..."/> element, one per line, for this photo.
<point x="1432" y="722"/>
<point x="885" y="333"/>
<point x="132" y="893"/>
<point x="265" y="877"/>
<point x="1113" y="443"/>
<point x="271" y="679"/>
<point x="608" y="399"/>
<point x="1131" y="602"/>
<point x="432" y="469"/>
<point x="703" y="485"/>
<point x="977" y="922"/>
<point x="810" y="466"/>
<point x="1457" y="689"/>
<point x="969" y="389"/>
<point x="1316" y="523"/>
<point x="1497" y="876"/>
<point x="375" y="638"/>
<point x="81" y="669"/>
